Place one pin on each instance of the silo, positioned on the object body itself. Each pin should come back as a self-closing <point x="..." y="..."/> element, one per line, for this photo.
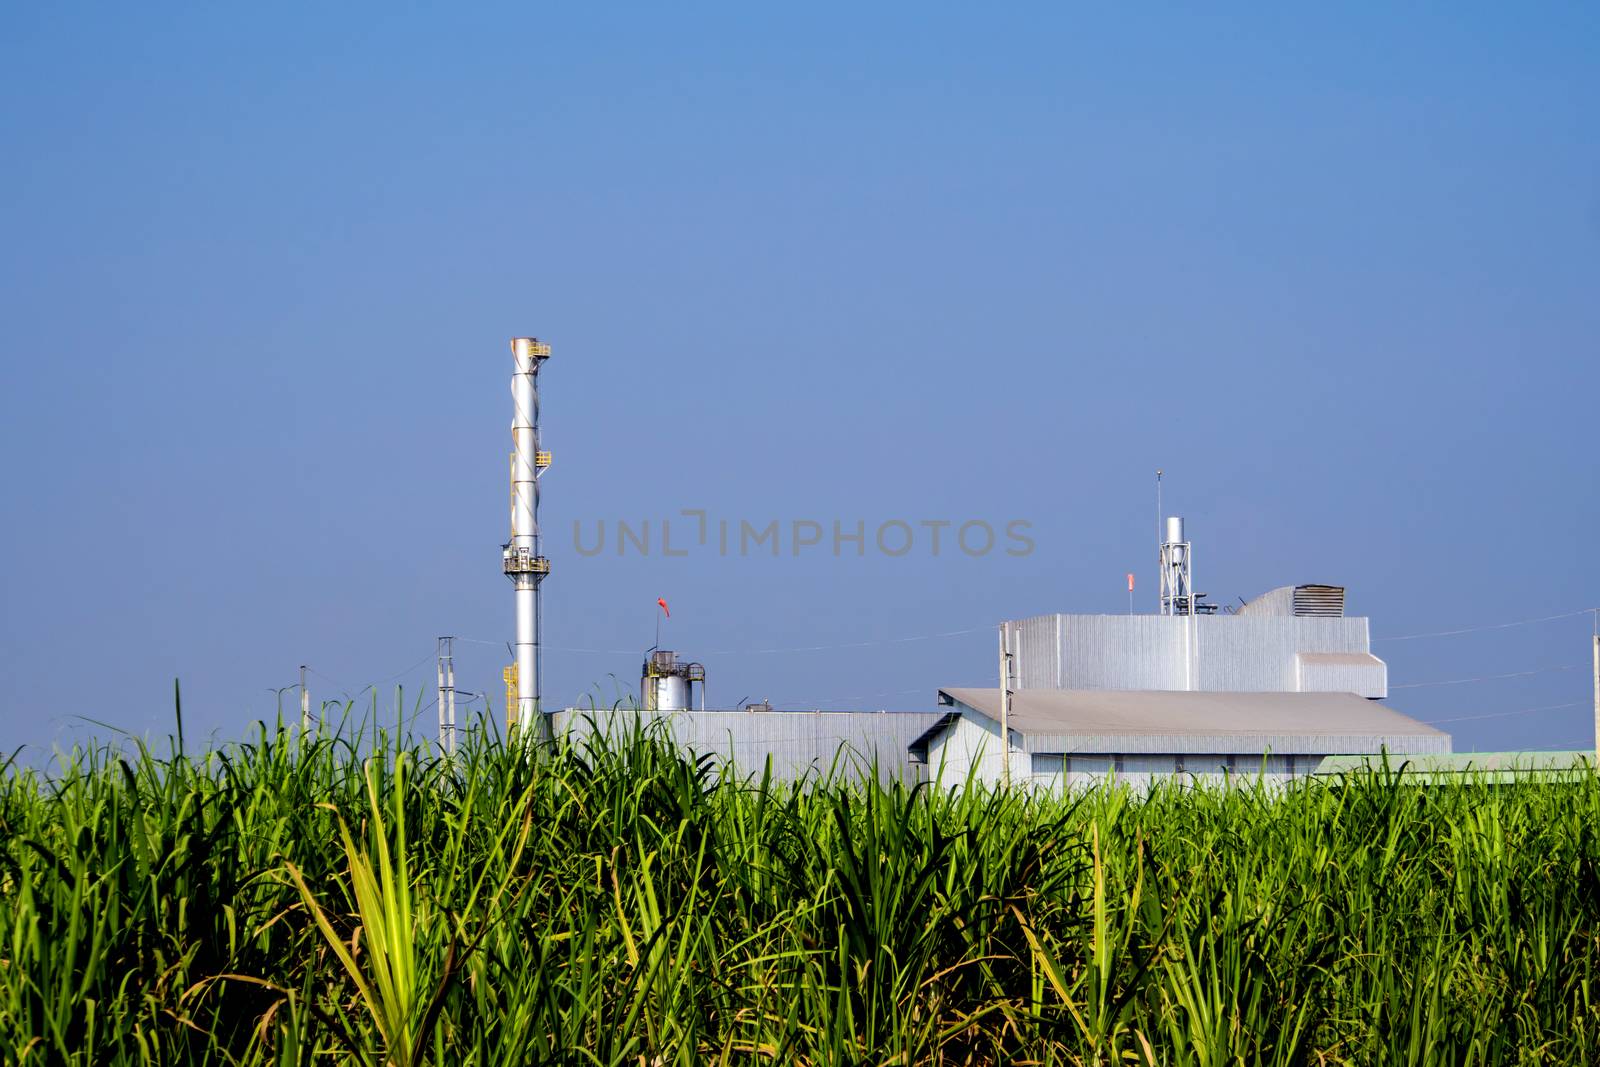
<point x="667" y="685"/>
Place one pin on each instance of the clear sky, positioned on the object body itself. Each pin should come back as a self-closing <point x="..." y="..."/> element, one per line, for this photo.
<point x="1334" y="270"/>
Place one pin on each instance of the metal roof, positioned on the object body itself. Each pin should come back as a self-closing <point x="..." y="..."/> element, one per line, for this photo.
<point x="1163" y="721"/>
<point x="1341" y="659"/>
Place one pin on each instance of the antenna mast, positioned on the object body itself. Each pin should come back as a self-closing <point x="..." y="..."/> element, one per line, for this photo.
<point x="1161" y="568"/>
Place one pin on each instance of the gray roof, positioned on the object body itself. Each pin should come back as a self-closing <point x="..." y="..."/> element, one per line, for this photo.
<point x="1106" y="720"/>
<point x="1341" y="659"/>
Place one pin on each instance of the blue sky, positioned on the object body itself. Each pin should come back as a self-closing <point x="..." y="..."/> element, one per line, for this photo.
<point x="1334" y="270"/>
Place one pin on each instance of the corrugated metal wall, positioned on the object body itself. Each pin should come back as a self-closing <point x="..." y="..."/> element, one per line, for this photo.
<point x="797" y="742"/>
<point x="1140" y="773"/>
<point x="1039" y="652"/>
<point x="1252" y="745"/>
<point x="1239" y="654"/>
<point x="970" y="746"/>
<point x="1367" y="676"/>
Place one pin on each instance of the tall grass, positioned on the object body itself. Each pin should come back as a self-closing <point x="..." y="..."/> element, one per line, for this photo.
<point x="349" y="898"/>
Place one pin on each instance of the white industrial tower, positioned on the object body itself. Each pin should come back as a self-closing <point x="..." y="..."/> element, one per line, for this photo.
<point x="1177" y="577"/>
<point x="1178" y="597"/>
<point x="523" y="562"/>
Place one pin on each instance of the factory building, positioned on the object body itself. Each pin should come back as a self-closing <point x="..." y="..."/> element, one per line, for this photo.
<point x="1292" y="640"/>
<point x="1069" y="737"/>
<point x="1271" y="688"/>
<point x="753" y="738"/>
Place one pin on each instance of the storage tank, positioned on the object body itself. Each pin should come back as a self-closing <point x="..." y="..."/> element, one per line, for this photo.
<point x="667" y="685"/>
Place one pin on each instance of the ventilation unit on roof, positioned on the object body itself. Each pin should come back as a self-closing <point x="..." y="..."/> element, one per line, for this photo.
<point x="1319" y="601"/>
<point x="1304" y="601"/>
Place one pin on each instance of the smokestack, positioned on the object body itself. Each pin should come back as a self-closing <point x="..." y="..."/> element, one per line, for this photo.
<point x="523" y="562"/>
<point x="1177" y="579"/>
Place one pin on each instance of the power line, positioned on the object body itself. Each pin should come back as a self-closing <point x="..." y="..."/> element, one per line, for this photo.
<point x="851" y="644"/>
<point x="1505" y="714"/>
<point x="757" y="651"/>
<point x="1491" y="626"/>
<point x="370" y="685"/>
<point x="406" y="670"/>
<point x="858" y="698"/>
<point x="1489" y="677"/>
<point x="558" y="648"/>
<point x="328" y="679"/>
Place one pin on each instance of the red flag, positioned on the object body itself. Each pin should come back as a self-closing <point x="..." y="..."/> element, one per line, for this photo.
<point x="1130" y="583"/>
<point x="663" y="603"/>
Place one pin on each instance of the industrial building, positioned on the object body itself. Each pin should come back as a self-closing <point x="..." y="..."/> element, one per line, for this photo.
<point x="1264" y="647"/>
<point x="1296" y="639"/>
<point x="755" y="740"/>
<point x="1080" y="736"/>
<point x="1273" y="686"/>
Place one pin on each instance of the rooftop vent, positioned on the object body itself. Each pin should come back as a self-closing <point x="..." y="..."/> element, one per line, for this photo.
<point x="1304" y="601"/>
<point x="1319" y="601"/>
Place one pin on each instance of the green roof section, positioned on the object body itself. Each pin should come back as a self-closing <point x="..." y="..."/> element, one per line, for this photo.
<point x="1490" y="766"/>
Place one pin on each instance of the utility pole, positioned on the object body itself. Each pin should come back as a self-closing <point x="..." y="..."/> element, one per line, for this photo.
<point x="1597" y="694"/>
<point x="305" y="702"/>
<point x="1005" y="704"/>
<point x="447" y="694"/>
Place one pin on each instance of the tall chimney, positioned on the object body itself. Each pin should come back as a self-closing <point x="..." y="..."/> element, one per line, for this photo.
<point x="523" y="562"/>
